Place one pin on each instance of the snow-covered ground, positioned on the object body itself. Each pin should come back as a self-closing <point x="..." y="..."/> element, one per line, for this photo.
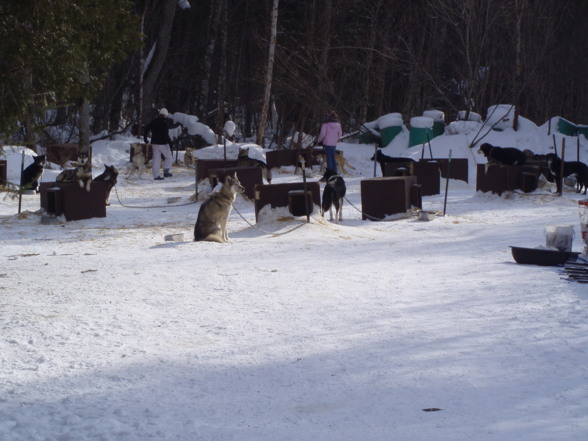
<point x="294" y="331"/>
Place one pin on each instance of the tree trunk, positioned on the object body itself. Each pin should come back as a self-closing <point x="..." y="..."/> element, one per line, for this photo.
<point x="520" y="10"/>
<point x="151" y="75"/>
<point x="84" y="121"/>
<point x="215" y="15"/>
<point x="84" y="109"/>
<point x="222" y="74"/>
<point x="268" y="75"/>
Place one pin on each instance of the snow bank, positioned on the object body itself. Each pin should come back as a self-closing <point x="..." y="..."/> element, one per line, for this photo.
<point x="190" y="122"/>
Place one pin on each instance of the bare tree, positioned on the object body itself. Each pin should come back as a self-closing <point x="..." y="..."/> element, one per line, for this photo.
<point x="472" y="26"/>
<point x="165" y="15"/>
<point x="268" y="74"/>
<point x="212" y="37"/>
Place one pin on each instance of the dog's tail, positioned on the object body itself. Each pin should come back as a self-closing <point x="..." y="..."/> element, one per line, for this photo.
<point x="327" y="199"/>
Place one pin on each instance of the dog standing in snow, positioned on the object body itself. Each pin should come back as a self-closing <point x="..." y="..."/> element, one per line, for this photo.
<point x="333" y="196"/>
<point x="138" y="161"/>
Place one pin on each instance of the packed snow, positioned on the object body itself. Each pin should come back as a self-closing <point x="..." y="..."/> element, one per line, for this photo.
<point x="402" y="329"/>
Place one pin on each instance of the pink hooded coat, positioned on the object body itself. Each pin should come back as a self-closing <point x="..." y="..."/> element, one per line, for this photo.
<point x="330" y="133"/>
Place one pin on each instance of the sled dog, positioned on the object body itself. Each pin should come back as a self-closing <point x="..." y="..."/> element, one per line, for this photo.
<point x="189" y="157"/>
<point x="211" y="224"/>
<point x="569" y="168"/>
<point x="82" y="174"/>
<point x="502" y="155"/>
<point x="340" y="159"/>
<point x="138" y="160"/>
<point x="333" y="195"/>
<point x="243" y="160"/>
<point x="400" y="161"/>
<point x="109" y="178"/>
<point x="29" y="180"/>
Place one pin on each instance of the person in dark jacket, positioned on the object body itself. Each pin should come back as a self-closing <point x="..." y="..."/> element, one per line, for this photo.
<point x="160" y="143"/>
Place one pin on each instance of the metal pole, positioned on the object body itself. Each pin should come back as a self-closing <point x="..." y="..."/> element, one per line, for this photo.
<point x="303" y="163"/>
<point x="561" y="171"/>
<point x="196" y="176"/>
<point x="447" y="182"/>
<point x="429" y="142"/>
<point x="375" y="157"/>
<point x="20" y="188"/>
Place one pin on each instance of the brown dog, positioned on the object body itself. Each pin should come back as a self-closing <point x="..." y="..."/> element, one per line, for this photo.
<point x="340" y="159"/>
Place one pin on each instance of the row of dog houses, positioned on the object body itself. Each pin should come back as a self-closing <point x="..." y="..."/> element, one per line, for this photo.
<point x="400" y="188"/>
<point x="432" y="123"/>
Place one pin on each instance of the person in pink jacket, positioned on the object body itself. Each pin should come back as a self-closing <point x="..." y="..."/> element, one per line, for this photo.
<point x="329" y="137"/>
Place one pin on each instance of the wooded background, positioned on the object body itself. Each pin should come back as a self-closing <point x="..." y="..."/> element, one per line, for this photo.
<point x="360" y="58"/>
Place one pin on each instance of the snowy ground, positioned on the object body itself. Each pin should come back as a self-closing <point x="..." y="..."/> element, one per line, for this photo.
<point x="294" y="331"/>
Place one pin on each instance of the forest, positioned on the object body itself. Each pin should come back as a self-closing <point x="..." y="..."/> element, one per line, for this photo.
<point x="275" y="66"/>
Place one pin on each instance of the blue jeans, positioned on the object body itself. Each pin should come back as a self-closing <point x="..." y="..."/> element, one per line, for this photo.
<point x="330" y="154"/>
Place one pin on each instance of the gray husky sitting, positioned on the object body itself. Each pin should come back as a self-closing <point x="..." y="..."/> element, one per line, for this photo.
<point x="82" y="174"/>
<point x="243" y="160"/>
<point x="214" y="212"/>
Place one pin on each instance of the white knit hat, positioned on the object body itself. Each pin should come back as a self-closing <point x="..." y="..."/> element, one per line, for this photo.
<point x="164" y="112"/>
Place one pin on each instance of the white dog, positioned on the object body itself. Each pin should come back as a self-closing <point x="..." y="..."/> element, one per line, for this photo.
<point x="138" y="161"/>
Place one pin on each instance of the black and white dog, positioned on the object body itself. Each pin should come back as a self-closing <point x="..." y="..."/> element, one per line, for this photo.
<point x="502" y="155"/>
<point x="399" y="161"/>
<point x="29" y="179"/>
<point x="109" y="178"/>
<point x="569" y="168"/>
<point x="333" y="196"/>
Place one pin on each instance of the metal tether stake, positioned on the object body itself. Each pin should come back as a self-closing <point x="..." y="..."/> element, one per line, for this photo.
<point x="303" y="163"/>
<point x="447" y="182"/>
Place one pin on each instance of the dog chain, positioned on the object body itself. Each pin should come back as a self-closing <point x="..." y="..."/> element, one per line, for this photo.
<point x="150" y="206"/>
<point x="190" y="203"/>
<point x="266" y="232"/>
<point x="366" y="215"/>
<point x="239" y="213"/>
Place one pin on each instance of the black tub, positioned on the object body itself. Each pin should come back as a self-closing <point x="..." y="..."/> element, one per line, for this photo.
<point x="538" y="256"/>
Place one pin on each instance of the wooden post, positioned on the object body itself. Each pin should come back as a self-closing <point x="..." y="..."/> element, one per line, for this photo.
<point x="447" y="183"/>
<point x="303" y="164"/>
<point x="376" y="157"/>
<point x="20" y="187"/>
<point x="561" y="171"/>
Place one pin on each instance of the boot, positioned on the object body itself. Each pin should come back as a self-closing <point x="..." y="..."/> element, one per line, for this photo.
<point x="166" y="173"/>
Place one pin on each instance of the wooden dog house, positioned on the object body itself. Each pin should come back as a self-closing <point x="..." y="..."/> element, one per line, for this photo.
<point x="498" y="179"/>
<point x="381" y="197"/>
<point x="249" y="177"/>
<point x="75" y="203"/>
<point x="280" y="195"/>
<point x="204" y="165"/>
<point x="3" y="171"/>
